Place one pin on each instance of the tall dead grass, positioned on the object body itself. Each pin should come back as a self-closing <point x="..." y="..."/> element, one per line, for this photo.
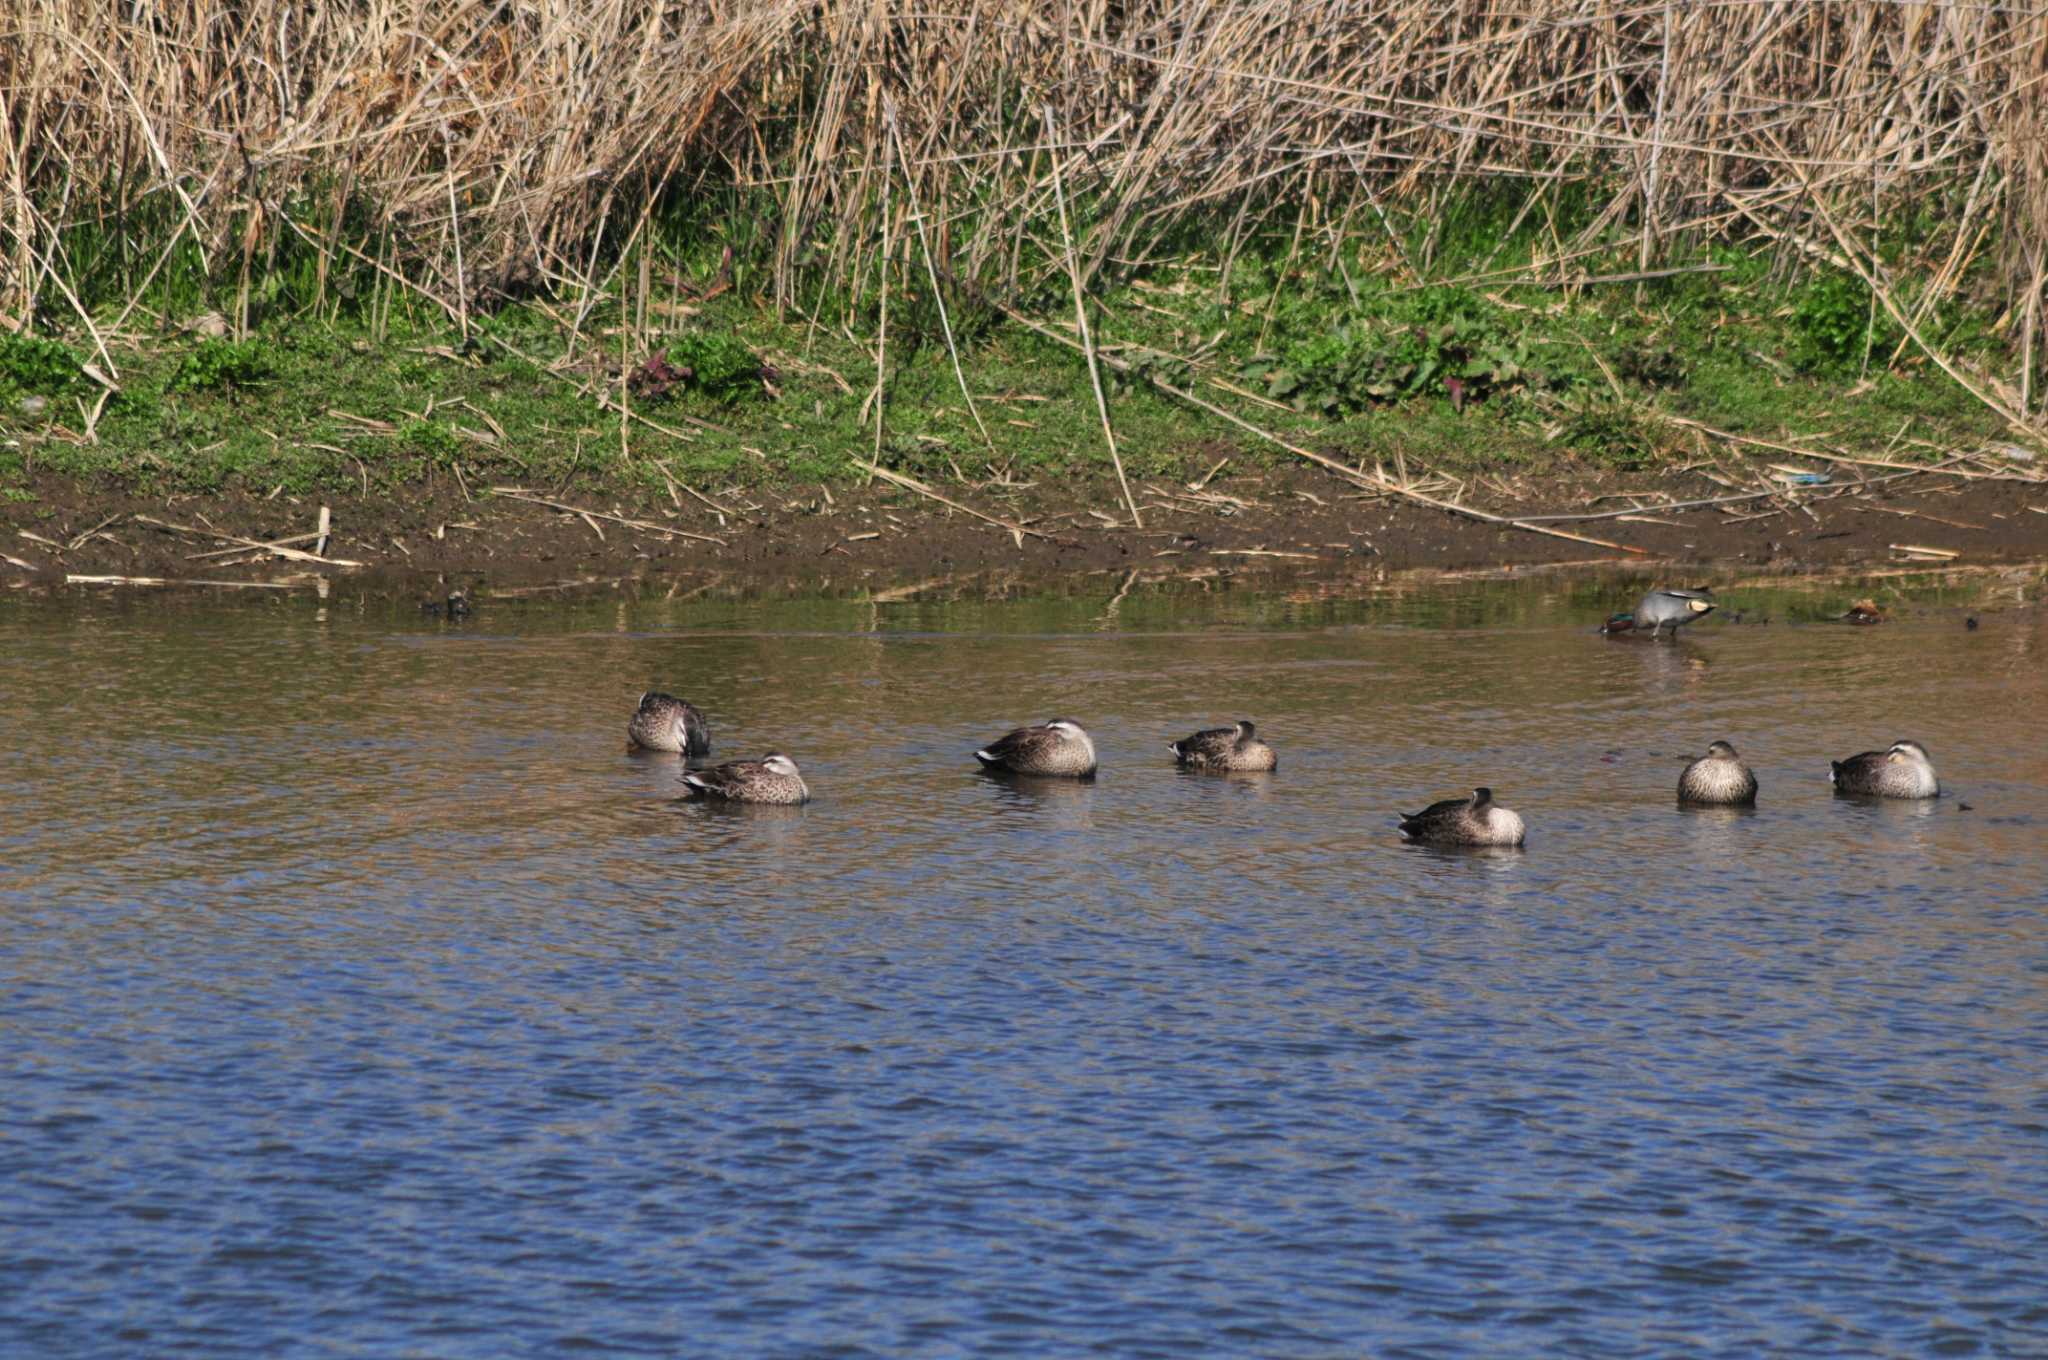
<point x="524" y="141"/>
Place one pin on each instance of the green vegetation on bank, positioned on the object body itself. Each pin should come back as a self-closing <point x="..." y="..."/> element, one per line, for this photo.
<point x="1353" y="351"/>
<point x="302" y="244"/>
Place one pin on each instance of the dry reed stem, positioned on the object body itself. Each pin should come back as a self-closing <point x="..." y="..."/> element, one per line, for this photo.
<point x="1087" y="340"/>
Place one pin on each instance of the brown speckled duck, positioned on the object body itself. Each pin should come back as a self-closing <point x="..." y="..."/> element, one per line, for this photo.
<point x="1718" y="777"/>
<point x="1903" y="770"/>
<point x="773" y="778"/>
<point x="1236" y="747"/>
<point x="1057" y="746"/>
<point x="1476" y="820"/>
<point x="665" y="723"/>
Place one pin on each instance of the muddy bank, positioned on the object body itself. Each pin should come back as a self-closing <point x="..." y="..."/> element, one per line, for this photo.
<point x="846" y="536"/>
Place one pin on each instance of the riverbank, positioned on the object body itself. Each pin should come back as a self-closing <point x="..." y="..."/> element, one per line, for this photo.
<point x="1697" y="521"/>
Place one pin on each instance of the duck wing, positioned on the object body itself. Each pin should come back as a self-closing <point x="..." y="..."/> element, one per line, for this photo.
<point x="724" y="781"/>
<point x="1433" y="816"/>
<point x="1211" y="742"/>
<point x="1016" y="745"/>
<point x="1858" y="771"/>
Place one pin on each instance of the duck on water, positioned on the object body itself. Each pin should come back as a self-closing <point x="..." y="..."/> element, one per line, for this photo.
<point x="1058" y="746"/>
<point x="774" y="778"/>
<point x="1718" y="778"/>
<point x="1902" y="770"/>
<point x="665" y="723"/>
<point x="1236" y="747"/>
<point x="1475" y="820"/>
<point x="1663" y="607"/>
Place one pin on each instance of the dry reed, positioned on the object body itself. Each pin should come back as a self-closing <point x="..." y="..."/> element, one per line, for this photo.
<point x="503" y="146"/>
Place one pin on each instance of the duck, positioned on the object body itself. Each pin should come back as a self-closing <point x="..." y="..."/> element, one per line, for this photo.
<point x="1057" y="746"/>
<point x="665" y="723"/>
<point x="1476" y="820"/>
<point x="1718" y="777"/>
<point x="1901" y="770"/>
<point x="1236" y="747"/>
<point x="1664" y="605"/>
<point x="774" y="778"/>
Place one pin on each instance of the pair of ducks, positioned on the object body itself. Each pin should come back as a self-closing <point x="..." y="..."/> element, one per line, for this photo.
<point x="663" y="722"/>
<point x="1059" y="747"/>
<point x="1901" y="770"/>
<point x="1720" y="778"/>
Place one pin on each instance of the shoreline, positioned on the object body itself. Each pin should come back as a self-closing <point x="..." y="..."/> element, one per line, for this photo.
<point x="1263" y="521"/>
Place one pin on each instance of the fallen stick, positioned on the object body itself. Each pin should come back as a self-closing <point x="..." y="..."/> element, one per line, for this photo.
<point x="326" y="520"/>
<point x="292" y="553"/>
<point x="2006" y="475"/>
<point x="1640" y="276"/>
<point x="1351" y="474"/>
<point x="80" y="540"/>
<point x="1017" y="531"/>
<point x="1920" y="514"/>
<point x="516" y="493"/>
<point x="273" y="543"/>
<point x="1832" y="492"/>
<point x="77" y="580"/>
<point x="1641" y="509"/>
<point x="670" y="477"/>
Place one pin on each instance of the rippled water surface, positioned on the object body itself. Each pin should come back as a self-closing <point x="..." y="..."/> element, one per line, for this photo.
<point x="358" y="994"/>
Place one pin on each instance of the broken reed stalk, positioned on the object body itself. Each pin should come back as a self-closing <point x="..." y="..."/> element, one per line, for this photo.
<point x="880" y="397"/>
<point x="938" y="294"/>
<point x="1017" y="531"/>
<point x="1350" y="474"/>
<point x="1081" y="316"/>
<point x="520" y="493"/>
<point x="274" y="546"/>
<point x="74" y="579"/>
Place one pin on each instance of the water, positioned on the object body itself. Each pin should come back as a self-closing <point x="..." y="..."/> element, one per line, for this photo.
<point x="359" y="995"/>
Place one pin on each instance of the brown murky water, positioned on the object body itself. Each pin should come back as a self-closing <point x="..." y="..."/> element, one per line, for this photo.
<point x="355" y="984"/>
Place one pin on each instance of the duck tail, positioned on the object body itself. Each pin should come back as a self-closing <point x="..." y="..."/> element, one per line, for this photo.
<point x="988" y="758"/>
<point x="1174" y="747"/>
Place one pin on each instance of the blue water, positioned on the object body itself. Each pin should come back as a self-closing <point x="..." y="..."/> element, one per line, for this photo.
<point x="359" y="995"/>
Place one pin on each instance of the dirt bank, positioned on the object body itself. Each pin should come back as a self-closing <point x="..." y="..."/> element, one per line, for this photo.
<point x="882" y="534"/>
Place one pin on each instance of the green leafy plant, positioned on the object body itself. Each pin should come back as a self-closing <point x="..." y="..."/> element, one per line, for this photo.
<point x="716" y="366"/>
<point x="430" y="439"/>
<point x="1439" y="341"/>
<point x="1837" y="321"/>
<point x="222" y="365"/>
<point x="35" y="366"/>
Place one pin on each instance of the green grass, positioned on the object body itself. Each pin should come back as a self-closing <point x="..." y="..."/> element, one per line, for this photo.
<point x="375" y="386"/>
